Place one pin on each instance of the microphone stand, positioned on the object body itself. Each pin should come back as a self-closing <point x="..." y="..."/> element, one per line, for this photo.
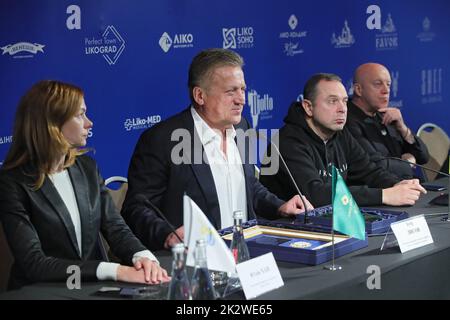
<point x="147" y="203"/>
<point x="289" y="173"/>
<point x="432" y="170"/>
<point x="331" y="267"/>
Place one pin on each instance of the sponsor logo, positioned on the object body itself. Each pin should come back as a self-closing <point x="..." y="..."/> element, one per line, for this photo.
<point x="16" y="50"/>
<point x="345" y="39"/>
<point x="141" y="123"/>
<point x="260" y="106"/>
<point x="431" y="87"/>
<point x="110" y="46"/>
<point x="181" y="40"/>
<point x="5" y="139"/>
<point x="388" y="38"/>
<point x="165" y="42"/>
<point x="426" y="35"/>
<point x="394" y="90"/>
<point x="291" y="39"/>
<point x="238" y="38"/>
<point x="349" y="87"/>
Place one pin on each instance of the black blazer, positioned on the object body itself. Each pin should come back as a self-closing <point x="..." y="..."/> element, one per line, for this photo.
<point x="381" y="141"/>
<point x="40" y="231"/>
<point x="154" y="175"/>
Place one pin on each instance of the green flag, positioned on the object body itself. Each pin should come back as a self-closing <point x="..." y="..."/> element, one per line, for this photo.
<point x="347" y="217"/>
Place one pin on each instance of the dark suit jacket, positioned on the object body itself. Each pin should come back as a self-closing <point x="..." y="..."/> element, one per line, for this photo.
<point x="153" y="174"/>
<point x="384" y="141"/>
<point x="40" y="231"/>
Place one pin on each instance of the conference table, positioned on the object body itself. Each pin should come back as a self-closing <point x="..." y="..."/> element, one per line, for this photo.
<point x="422" y="273"/>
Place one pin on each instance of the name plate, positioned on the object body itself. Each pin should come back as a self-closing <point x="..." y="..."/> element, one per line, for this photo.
<point x="259" y="275"/>
<point x="412" y="233"/>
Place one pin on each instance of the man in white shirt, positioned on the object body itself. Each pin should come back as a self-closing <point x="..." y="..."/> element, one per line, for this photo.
<point x="222" y="181"/>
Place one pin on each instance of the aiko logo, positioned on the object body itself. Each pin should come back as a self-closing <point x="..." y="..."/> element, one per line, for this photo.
<point x="180" y="40"/>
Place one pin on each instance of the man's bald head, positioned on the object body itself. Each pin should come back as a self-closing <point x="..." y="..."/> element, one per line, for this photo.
<point x="368" y="70"/>
<point x="371" y="83"/>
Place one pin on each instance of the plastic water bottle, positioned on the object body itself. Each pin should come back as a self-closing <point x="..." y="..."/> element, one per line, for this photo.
<point x="240" y="252"/>
<point x="202" y="287"/>
<point x="238" y="245"/>
<point x="179" y="288"/>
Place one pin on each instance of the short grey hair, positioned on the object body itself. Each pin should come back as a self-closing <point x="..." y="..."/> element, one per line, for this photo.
<point x="205" y="62"/>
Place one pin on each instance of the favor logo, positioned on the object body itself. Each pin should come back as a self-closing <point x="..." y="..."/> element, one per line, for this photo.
<point x="388" y="38"/>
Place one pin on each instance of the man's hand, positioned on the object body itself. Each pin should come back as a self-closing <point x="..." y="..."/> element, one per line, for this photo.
<point x="406" y="192"/>
<point x="410" y="158"/>
<point x="153" y="273"/>
<point x="394" y="116"/>
<point x="172" y="239"/>
<point x="294" y="206"/>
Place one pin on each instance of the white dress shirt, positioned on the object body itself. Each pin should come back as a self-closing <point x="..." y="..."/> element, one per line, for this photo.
<point x="63" y="184"/>
<point x="227" y="170"/>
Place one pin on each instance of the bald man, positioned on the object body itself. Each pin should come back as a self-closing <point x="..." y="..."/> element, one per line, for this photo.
<point x="380" y="129"/>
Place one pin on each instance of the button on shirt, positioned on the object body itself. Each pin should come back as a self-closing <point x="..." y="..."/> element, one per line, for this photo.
<point x="227" y="170"/>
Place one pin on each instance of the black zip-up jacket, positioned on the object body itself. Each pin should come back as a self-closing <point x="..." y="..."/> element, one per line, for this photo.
<point x="309" y="159"/>
<point x="382" y="141"/>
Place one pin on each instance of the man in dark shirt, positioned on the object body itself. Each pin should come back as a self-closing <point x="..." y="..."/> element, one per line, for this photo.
<point x="380" y="129"/>
<point x="314" y="137"/>
<point x="195" y="153"/>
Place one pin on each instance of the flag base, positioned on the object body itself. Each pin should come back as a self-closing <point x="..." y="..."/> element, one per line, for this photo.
<point x="332" y="267"/>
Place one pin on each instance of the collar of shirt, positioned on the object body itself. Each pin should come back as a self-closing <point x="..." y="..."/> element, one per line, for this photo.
<point x="205" y="132"/>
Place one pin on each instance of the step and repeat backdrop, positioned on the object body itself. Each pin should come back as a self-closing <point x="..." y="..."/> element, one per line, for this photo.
<point x="131" y="57"/>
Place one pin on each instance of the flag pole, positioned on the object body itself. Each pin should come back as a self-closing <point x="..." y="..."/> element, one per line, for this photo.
<point x="332" y="267"/>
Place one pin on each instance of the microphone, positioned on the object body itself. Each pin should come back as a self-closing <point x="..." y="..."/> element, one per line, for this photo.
<point x="432" y="170"/>
<point x="289" y="173"/>
<point x="147" y="203"/>
<point x="417" y="165"/>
